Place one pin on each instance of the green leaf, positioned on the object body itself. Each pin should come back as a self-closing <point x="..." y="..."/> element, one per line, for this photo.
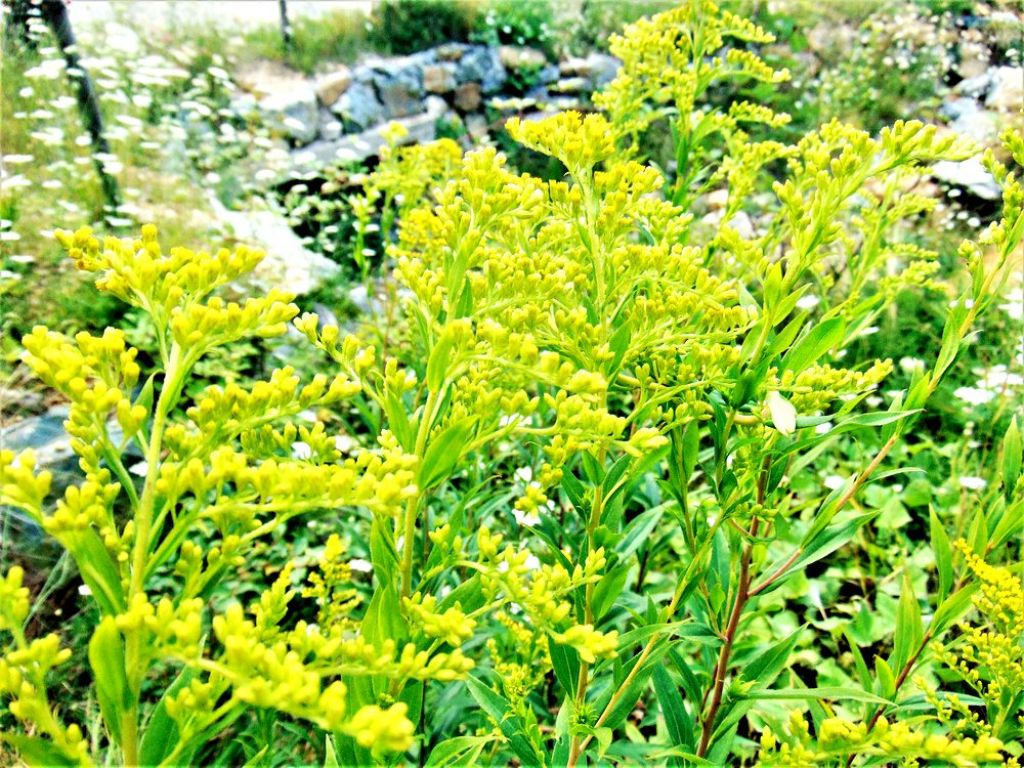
<point x="943" y="554"/>
<point x="35" y="751"/>
<point x="106" y="657"/>
<point x="437" y="365"/>
<point x="952" y="608"/>
<point x="766" y="666"/>
<point x="631" y="695"/>
<point x="815" y="694"/>
<point x="383" y="553"/>
<point x="98" y="571"/>
<point x="886" y="680"/>
<point x="821" y="338"/>
<point x="639" y="530"/>
<point x="161" y="734"/>
<point x="677" y="719"/>
<point x="782" y="412"/>
<point x="458" y="751"/>
<point x="398" y="421"/>
<point x="498" y="708"/>
<point x="1012" y="453"/>
<point x="330" y="756"/>
<point x="444" y="453"/>
<point x="908" y="625"/>
<point x="608" y="589"/>
<point x="566" y="663"/>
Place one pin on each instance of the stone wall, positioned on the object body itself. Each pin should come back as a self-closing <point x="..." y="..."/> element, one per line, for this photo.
<point x="338" y="115"/>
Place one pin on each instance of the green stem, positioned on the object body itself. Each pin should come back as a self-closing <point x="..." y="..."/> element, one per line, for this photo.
<point x="135" y="666"/>
<point x="411" y="508"/>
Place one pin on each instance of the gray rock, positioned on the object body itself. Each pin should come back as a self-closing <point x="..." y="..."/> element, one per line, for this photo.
<point x="598" y="68"/>
<point x="288" y="265"/>
<point x="481" y="64"/>
<point x="548" y="75"/>
<point x="400" y="89"/>
<point x="969" y="174"/>
<point x="45" y="434"/>
<point x="603" y="68"/>
<point x="359" y="107"/>
<point x="358" y="147"/>
<point x="981" y="126"/>
<point x="956" y="108"/>
<point x="975" y="87"/>
<point x="477" y="126"/>
<point x="293" y="113"/>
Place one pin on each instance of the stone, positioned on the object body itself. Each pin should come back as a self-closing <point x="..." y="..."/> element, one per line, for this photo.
<point x="598" y="68"/>
<point x="450" y="51"/>
<point x="1007" y="89"/>
<point x="548" y="75"/>
<point x="359" y="107"/>
<point x="45" y="434"/>
<point x="361" y="146"/>
<point x="439" y="78"/>
<point x="468" y="97"/>
<point x="975" y="87"/>
<point x="481" y="64"/>
<point x="571" y="85"/>
<point x="399" y="85"/>
<point x="603" y="68"/>
<point x="477" y="126"/>
<point x="718" y="198"/>
<point x="288" y="265"/>
<point x="331" y="129"/>
<point x="973" y="59"/>
<point x="521" y="57"/>
<point x="982" y="126"/>
<point x="293" y="112"/>
<point x="969" y="174"/>
<point x="330" y="87"/>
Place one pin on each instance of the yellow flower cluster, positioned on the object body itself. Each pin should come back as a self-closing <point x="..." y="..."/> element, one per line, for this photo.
<point x="989" y="655"/>
<point x="837" y="739"/>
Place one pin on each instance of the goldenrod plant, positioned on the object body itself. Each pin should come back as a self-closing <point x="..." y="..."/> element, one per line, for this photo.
<point x="575" y="476"/>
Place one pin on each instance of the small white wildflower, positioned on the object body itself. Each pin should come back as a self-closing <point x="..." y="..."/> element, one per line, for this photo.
<point x="833" y="481"/>
<point x="973" y="483"/>
<point x="911" y="365"/>
<point x="360" y="565"/>
<point x="974" y="395"/>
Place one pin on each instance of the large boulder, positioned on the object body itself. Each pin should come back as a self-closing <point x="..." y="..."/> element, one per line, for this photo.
<point x="358" y="107"/>
<point x="481" y="64"/>
<point x="399" y="85"/>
